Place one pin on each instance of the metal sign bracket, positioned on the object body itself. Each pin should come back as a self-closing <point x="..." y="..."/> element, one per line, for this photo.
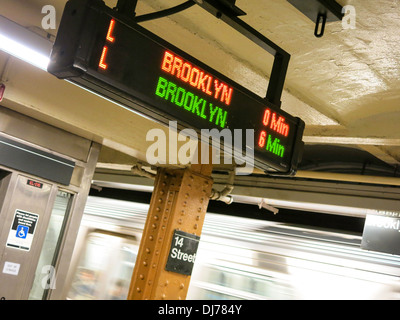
<point x="227" y="11"/>
<point x="229" y="14"/>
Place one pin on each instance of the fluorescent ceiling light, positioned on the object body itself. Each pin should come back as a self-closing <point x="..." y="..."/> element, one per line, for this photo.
<point x="24" y="44"/>
<point x="22" y="52"/>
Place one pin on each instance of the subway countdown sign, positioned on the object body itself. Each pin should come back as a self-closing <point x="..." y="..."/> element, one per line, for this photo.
<point x="111" y="55"/>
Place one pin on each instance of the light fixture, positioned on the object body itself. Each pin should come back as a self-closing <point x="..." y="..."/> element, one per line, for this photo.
<point x="22" y="52"/>
<point x="24" y="44"/>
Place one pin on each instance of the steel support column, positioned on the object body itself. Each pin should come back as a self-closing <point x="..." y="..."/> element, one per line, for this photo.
<point x="179" y="202"/>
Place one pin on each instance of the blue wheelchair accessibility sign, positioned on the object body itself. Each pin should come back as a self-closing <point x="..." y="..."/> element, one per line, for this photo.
<point x="22" y="232"/>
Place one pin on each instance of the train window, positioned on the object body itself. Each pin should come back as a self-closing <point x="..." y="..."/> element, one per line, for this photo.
<point x="220" y="282"/>
<point x="208" y="294"/>
<point x="45" y="273"/>
<point x="105" y="267"/>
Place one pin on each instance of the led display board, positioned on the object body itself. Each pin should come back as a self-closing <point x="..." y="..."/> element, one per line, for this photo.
<point x="113" y="56"/>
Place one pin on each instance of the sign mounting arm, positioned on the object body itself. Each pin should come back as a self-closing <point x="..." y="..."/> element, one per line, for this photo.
<point x="281" y="61"/>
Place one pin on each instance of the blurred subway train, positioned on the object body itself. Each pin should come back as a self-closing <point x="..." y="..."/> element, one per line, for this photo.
<point x="238" y="258"/>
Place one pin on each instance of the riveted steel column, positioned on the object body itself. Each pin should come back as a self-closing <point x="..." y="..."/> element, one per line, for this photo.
<point x="179" y="202"/>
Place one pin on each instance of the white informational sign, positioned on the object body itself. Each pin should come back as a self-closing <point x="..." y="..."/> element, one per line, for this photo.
<point x="11" y="268"/>
<point x="22" y="230"/>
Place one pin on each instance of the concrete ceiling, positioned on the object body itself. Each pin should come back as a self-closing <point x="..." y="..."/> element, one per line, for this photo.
<point x="345" y="85"/>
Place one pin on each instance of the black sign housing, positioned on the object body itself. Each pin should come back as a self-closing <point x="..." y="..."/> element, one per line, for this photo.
<point x="113" y="56"/>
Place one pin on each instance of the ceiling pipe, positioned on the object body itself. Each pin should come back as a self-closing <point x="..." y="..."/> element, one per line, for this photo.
<point x="138" y="170"/>
<point x="273" y="205"/>
<point x="224" y="195"/>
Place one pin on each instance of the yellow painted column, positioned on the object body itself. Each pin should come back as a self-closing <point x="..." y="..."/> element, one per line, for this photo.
<point x="173" y="227"/>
